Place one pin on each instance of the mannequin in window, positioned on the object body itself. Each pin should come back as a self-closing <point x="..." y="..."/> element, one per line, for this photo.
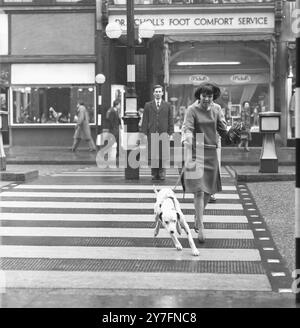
<point x="245" y="118"/>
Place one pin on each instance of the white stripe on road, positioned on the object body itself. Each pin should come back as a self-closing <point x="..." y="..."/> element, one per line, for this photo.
<point x="136" y="280"/>
<point x="128" y="253"/>
<point x="111" y="217"/>
<point x="109" y="174"/>
<point x="121" y="170"/>
<point x="101" y="195"/>
<point x="114" y="232"/>
<point x="99" y="205"/>
<point x="107" y="187"/>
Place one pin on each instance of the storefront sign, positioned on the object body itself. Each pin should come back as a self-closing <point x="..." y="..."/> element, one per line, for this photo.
<point x="196" y="79"/>
<point x="240" y="78"/>
<point x="203" y="21"/>
<point x="53" y="73"/>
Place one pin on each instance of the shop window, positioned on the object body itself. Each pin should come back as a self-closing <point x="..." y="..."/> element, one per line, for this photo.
<point x="231" y="99"/>
<point x="51" y="105"/>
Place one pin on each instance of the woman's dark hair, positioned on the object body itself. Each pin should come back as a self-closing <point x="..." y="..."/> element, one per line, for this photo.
<point x="245" y="102"/>
<point x="208" y="89"/>
<point x="116" y="102"/>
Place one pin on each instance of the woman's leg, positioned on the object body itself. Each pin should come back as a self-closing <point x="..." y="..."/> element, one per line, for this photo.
<point x="200" y="201"/>
<point x="206" y="199"/>
<point x="75" y="144"/>
<point x="92" y="146"/>
<point x="246" y="148"/>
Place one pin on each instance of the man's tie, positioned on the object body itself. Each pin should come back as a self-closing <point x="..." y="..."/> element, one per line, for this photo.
<point x="157" y="104"/>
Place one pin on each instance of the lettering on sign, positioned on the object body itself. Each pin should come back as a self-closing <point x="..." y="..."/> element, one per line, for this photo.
<point x="203" y="21"/>
<point x="195" y="79"/>
<point x="240" y="78"/>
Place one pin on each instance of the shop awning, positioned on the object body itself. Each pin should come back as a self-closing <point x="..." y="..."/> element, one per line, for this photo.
<point x="215" y="37"/>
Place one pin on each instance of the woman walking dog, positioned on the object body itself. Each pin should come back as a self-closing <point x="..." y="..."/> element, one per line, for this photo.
<point x="205" y="117"/>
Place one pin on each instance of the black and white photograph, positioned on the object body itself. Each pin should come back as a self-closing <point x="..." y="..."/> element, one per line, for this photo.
<point x="149" y="157"/>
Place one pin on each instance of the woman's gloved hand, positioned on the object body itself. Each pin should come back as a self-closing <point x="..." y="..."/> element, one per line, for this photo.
<point x="234" y="133"/>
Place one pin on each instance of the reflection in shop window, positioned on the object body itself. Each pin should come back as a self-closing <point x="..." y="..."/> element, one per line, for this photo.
<point x="51" y="105"/>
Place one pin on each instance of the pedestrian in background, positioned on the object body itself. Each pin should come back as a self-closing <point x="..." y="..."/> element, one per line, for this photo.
<point x="203" y="116"/>
<point x="114" y="122"/>
<point x="157" y="119"/>
<point x="141" y="113"/>
<point x="245" y="118"/>
<point x="82" y="128"/>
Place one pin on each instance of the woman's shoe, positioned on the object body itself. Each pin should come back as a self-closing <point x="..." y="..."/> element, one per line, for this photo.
<point x="201" y="235"/>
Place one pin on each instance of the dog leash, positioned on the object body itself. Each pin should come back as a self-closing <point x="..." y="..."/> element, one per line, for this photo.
<point x="179" y="179"/>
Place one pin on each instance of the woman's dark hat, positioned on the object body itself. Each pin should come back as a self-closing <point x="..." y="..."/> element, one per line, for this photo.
<point x="215" y="88"/>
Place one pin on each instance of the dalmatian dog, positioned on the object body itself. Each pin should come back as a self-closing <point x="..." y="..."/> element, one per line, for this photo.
<point x="169" y="215"/>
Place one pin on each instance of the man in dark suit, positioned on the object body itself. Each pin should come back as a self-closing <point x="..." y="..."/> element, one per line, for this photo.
<point x="157" y="119"/>
<point x="114" y="122"/>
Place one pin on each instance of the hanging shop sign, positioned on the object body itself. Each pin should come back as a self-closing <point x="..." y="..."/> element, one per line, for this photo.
<point x="221" y="79"/>
<point x="197" y="79"/>
<point x="240" y="78"/>
<point x="203" y="21"/>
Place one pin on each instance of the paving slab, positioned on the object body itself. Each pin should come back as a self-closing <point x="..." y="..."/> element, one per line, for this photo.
<point x="18" y="175"/>
<point x="109" y="298"/>
<point x="248" y="173"/>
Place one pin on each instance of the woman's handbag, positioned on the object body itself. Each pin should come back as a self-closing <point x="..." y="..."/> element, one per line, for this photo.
<point x="234" y="133"/>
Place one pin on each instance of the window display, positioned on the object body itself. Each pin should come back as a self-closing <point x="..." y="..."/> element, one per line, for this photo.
<point x="231" y="99"/>
<point x="51" y="105"/>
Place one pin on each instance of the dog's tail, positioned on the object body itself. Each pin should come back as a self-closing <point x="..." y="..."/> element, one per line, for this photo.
<point x="155" y="189"/>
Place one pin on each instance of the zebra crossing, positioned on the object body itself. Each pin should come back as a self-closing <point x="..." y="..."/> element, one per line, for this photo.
<point x="94" y="231"/>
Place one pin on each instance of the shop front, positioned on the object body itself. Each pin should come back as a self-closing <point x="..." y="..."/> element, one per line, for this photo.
<point x="233" y="47"/>
<point x="51" y="68"/>
<point x="241" y="69"/>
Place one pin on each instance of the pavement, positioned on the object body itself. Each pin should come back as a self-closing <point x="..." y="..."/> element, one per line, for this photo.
<point x="244" y="165"/>
<point x="63" y="155"/>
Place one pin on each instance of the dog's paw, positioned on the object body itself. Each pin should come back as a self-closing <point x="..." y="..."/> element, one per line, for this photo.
<point x="179" y="247"/>
<point x="196" y="252"/>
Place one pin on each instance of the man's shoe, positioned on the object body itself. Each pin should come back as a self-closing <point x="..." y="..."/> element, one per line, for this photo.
<point x="155" y="178"/>
<point x="162" y="174"/>
<point x="212" y="199"/>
